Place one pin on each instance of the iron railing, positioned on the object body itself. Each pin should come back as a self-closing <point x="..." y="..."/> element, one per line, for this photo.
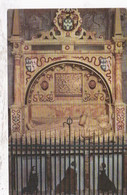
<point x="60" y="166"/>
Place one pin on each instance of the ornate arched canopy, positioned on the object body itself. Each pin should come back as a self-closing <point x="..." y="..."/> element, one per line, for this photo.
<point x="68" y="79"/>
<point x="68" y="70"/>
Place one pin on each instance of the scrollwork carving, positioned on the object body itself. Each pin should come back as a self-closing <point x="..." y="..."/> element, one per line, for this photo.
<point x="40" y="97"/>
<point x="98" y="62"/>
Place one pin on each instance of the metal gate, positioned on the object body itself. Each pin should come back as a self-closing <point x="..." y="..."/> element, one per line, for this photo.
<point x="65" y="166"/>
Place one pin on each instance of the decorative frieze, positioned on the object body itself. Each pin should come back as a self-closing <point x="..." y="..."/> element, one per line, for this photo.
<point x="16" y="119"/>
<point x="120" y="118"/>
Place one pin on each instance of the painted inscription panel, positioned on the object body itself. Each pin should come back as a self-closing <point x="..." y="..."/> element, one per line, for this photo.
<point x="68" y="84"/>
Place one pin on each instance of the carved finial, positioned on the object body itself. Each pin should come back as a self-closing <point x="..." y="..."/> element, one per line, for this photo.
<point x="118" y="29"/>
<point x="16" y="30"/>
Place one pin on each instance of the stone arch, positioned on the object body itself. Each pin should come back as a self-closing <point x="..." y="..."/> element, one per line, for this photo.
<point x="75" y="63"/>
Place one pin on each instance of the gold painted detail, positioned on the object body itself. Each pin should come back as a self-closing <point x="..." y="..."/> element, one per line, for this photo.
<point x="68" y="84"/>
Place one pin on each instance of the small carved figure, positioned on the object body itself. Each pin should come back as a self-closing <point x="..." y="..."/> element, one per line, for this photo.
<point x="105" y="184"/>
<point x="32" y="183"/>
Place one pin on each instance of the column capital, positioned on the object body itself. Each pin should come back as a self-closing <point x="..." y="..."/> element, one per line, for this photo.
<point x="118" y="47"/>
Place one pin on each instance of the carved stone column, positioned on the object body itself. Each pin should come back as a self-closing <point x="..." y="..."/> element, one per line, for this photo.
<point x="16" y="109"/>
<point x="120" y="107"/>
<point x="118" y="78"/>
<point x="17" y="79"/>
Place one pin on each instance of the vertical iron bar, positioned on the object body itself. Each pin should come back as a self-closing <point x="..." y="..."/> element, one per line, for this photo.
<point x="36" y="154"/>
<point x="64" y="165"/>
<point x="98" y="162"/>
<point x="12" y="171"/>
<point x="89" y="163"/>
<point x="113" y="161"/>
<point x="26" y="163"/>
<point x="79" y="164"/>
<point x="108" y="158"/>
<point x="31" y="153"/>
<point x="84" y="163"/>
<point x="50" y="165"/>
<point x="60" y="161"/>
<point x="103" y="151"/>
<point x="74" y="165"/>
<point x="69" y="161"/>
<point x="40" y="165"/>
<point x="31" y="150"/>
<point x="93" y="164"/>
<point x="16" y="165"/>
<point x="21" y="167"/>
<point x="117" y="164"/>
<point x="69" y="122"/>
<point x="45" y="165"/>
<point x="55" y="163"/>
<point x="122" y="165"/>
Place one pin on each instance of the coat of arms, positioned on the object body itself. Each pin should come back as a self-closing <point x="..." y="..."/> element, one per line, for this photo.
<point x="31" y="64"/>
<point x="105" y="64"/>
<point x="68" y="24"/>
<point x="68" y="19"/>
